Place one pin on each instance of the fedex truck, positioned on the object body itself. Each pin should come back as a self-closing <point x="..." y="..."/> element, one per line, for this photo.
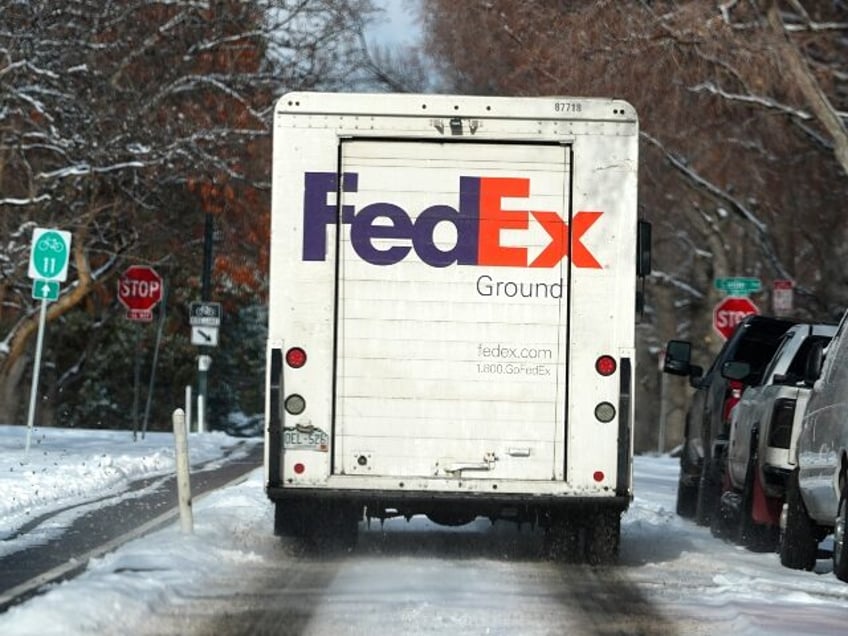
<point x="451" y="313"/>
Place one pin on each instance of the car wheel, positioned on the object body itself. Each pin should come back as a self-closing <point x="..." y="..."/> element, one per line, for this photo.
<point x="798" y="544"/>
<point x="709" y="492"/>
<point x="840" y="538"/>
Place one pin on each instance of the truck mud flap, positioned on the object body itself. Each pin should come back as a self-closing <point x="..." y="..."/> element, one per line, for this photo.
<point x="275" y="424"/>
<point x="622" y="487"/>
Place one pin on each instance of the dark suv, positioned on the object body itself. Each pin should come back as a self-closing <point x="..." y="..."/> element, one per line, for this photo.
<point x="702" y="460"/>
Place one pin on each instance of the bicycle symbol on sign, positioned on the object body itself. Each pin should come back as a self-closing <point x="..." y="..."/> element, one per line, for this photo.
<point x="50" y="244"/>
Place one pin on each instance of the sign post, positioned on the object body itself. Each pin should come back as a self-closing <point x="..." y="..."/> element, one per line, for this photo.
<point x="48" y="266"/>
<point x="139" y="290"/>
<point x="730" y="312"/>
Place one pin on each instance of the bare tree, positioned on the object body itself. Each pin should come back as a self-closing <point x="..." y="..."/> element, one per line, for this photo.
<point x="123" y="122"/>
<point x="742" y="107"/>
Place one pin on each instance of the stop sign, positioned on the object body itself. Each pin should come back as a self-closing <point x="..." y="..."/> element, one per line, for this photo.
<point x="730" y="312"/>
<point x="140" y="289"/>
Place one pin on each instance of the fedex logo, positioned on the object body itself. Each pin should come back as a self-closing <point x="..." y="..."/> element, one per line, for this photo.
<point x="478" y="219"/>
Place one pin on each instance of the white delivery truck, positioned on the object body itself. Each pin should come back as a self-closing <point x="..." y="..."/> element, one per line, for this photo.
<point x="452" y="307"/>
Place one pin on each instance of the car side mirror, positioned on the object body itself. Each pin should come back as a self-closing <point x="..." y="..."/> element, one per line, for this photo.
<point x="736" y="370"/>
<point x="695" y="373"/>
<point x="815" y="359"/>
<point x="678" y="356"/>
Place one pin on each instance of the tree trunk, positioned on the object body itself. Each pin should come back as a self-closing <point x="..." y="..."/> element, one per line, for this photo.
<point x="11" y="376"/>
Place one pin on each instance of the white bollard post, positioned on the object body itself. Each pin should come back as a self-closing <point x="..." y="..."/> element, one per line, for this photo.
<point x="183" y="484"/>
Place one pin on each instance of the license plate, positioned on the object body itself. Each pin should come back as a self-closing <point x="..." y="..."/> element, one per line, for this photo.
<point x="306" y="440"/>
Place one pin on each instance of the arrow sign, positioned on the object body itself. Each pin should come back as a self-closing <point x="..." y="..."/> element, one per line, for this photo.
<point x="204" y="336"/>
<point x="45" y="289"/>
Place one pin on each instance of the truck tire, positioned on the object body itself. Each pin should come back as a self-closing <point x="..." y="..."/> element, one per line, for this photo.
<point x="335" y="526"/>
<point x="840" y="538"/>
<point x="326" y="525"/>
<point x="603" y="535"/>
<point x="290" y="519"/>
<point x="798" y="544"/>
<point x="687" y="499"/>
<point x="562" y="538"/>
<point x="709" y="492"/>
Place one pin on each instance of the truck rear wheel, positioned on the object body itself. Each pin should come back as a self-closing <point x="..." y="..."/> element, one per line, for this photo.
<point x="562" y="538"/>
<point x="840" y="538"/>
<point x="603" y="535"/>
<point x="798" y="544"/>
<point x="326" y="525"/>
<point x="290" y="519"/>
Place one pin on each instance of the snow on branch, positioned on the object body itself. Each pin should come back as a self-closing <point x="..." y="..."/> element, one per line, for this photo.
<point x="30" y="201"/>
<point x="752" y="99"/>
<point x="669" y="280"/>
<point x="761" y="228"/>
<point x="84" y="169"/>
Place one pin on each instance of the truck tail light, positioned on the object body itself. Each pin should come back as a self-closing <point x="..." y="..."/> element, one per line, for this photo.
<point x="782" y="417"/>
<point x="295" y="357"/>
<point x="731" y="397"/>
<point x="605" y="365"/>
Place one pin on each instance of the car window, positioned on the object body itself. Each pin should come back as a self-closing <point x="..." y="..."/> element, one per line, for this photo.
<point x="784" y="342"/>
<point x="836" y="359"/>
<point x="798" y="366"/>
<point x="757" y="352"/>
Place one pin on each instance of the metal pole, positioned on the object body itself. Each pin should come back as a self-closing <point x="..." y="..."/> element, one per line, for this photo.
<point x="188" y="406"/>
<point x="164" y="306"/>
<point x="205" y="293"/>
<point x="663" y="411"/>
<point x="136" y="381"/>
<point x="36" y="370"/>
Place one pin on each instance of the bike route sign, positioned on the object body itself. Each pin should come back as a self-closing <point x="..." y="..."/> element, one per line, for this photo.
<point x="203" y="314"/>
<point x="49" y="254"/>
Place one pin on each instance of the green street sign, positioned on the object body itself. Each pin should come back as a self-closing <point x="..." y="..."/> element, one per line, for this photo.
<point x="738" y="286"/>
<point x="49" y="254"/>
<point x="45" y="289"/>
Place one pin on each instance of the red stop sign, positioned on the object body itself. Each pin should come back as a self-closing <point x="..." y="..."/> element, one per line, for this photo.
<point x="140" y="289"/>
<point x="730" y="312"/>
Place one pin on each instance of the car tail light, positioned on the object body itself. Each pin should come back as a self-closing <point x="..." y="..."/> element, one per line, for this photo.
<point x="295" y="357"/>
<point x="732" y="397"/>
<point x="782" y="416"/>
<point x="605" y="365"/>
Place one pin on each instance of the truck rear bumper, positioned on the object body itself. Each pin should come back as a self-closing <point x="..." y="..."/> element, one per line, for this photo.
<point x="515" y="507"/>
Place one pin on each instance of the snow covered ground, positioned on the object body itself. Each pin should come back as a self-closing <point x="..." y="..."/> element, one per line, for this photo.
<point x="694" y="578"/>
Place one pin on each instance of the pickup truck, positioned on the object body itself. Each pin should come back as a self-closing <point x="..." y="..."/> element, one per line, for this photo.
<point x="817" y="491"/>
<point x="764" y="427"/>
<point x="707" y="428"/>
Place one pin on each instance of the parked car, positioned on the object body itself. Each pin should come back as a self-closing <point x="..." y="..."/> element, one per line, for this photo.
<point x="707" y="426"/>
<point x="764" y="427"/>
<point x="817" y="491"/>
